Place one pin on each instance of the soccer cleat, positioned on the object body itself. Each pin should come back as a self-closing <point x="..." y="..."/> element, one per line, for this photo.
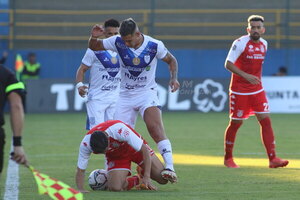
<point x="230" y="163"/>
<point x="278" y="162"/>
<point x="169" y="175"/>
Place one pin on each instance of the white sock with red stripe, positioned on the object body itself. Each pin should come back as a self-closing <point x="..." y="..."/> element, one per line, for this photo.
<point x="165" y="149"/>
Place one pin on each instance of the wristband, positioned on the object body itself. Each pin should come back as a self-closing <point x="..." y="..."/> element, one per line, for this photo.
<point x="17" y="141"/>
<point x="78" y="85"/>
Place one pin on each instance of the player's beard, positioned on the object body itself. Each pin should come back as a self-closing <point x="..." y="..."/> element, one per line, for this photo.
<point x="255" y="36"/>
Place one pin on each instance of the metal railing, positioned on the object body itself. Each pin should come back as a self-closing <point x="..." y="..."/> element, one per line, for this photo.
<point x="149" y="23"/>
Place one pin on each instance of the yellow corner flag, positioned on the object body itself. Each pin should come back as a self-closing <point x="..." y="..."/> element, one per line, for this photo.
<point x="19" y="65"/>
<point x="54" y="188"/>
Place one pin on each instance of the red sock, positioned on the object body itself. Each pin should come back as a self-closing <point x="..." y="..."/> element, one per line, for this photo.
<point x="230" y="134"/>
<point x="132" y="181"/>
<point x="267" y="136"/>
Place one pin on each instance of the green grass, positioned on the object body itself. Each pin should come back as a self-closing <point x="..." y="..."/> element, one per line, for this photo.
<point x="51" y="142"/>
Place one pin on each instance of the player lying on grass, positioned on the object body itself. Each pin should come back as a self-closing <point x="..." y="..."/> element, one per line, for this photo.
<point x="121" y="146"/>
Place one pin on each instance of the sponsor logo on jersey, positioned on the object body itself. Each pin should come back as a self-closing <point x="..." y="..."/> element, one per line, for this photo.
<point x="120" y="131"/>
<point x="147" y="58"/>
<point x="111" y="64"/>
<point x="113" y="60"/>
<point x="112" y="79"/>
<point x="240" y="113"/>
<point x="137" y="63"/>
<point x="139" y="78"/>
<point x="111" y="164"/>
<point x="108" y="87"/>
<point x="135" y="86"/>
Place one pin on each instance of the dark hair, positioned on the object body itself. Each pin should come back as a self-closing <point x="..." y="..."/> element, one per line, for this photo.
<point x="256" y="18"/>
<point x="128" y="27"/>
<point x="98" y="142"/>
<point x="31" y="54"/>
<point x="283" y="69"/>
<point x="111" y="23"/>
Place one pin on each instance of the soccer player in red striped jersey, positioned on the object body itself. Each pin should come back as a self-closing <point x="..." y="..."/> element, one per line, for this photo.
<point x="247" y="95"/>
<point x="121" y="145"/>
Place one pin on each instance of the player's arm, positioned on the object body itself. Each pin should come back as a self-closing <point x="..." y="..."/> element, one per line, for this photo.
<point x="249" y="77"/>
<point x="80" y="180"/>
<point x="173" y="68"/>
<point x="147" y="167"/>
<point x="82" y="163"/>
<point x="95" y="43"/>
<point x="16" y="122"/>
<point x="82" y="89"/>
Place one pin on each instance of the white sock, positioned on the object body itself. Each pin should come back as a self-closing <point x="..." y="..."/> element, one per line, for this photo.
<point x="165" y="149"/>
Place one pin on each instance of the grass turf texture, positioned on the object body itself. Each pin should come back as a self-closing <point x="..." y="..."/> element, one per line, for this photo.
<point x="51" y="142"/>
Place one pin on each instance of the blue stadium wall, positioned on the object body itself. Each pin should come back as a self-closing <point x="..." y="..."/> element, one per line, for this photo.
<point x="62" y="64"/>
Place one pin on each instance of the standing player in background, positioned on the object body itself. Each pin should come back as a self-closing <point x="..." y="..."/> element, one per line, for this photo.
<point x="104" y="84"/>
<point x="13" y="91"/>
<point x="138" y="57"/>
<point x="247" y="96"/>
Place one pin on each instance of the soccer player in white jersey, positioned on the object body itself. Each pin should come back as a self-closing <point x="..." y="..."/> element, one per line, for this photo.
<point x="247" y="96"/>
<point x="138" y="58"/>
<point x="103" y="91"/>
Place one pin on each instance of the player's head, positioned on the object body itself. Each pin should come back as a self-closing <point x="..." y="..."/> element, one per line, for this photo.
<point x="130" y="33"/>
<point x="31" y="57"/>
<point x="98" y="142"/>
<point x="255" y="27"/>
<point x="111" y="27"/>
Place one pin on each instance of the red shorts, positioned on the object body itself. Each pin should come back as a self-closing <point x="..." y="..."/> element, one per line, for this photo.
<point x="243" y="106"/>
<point x="124" y="162"/>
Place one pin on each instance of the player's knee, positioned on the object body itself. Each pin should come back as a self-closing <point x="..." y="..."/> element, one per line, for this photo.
<point x="115" y="188"/>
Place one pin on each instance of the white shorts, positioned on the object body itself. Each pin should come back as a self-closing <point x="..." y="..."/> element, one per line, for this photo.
<point x="98" y="112"/>
<point x="130" y="105"/>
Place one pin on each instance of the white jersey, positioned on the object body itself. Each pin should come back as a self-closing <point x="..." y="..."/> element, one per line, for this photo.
<point x="118" y="134"/>
<point x="138" y="66"/>
<point x="105" y="78"/>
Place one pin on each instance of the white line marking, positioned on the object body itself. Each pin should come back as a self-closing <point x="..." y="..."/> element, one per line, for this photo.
<point x="12" y="181"/>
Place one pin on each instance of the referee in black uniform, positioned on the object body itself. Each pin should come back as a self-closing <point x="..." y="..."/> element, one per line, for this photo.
<point x="12" y="91"/>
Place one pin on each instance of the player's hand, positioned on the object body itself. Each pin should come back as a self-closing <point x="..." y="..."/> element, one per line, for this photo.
<point x="19" y="155"/>
<point x="97" y="31"/>
<point x="174" y="84"/>
<point x="254" y="80"/>
<point x="147" y="185"/>
<point x="83" y="191"/>
<point x="82" y="90"/>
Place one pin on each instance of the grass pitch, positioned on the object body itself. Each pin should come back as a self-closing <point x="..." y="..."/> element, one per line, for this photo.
<point x="51" y="142"/>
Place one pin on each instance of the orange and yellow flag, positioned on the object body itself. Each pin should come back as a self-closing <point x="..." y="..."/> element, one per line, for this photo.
<point x="19" y="65"/>
<point x="54" y="188"/>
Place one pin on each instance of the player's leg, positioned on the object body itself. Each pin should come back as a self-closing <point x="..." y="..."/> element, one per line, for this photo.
<point x="151" y="113"/>
<point x="95" y="113"/>
<point x="238" y="112"/>
<point x="110" y="111"/>
<point x="118" y="171"/>
<point x="117" y="180"/>
<point x="2" y="142"/>
<point x="230" y="135"/>
<point x="261" y="108"/>
<point x="125" y="111"/>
